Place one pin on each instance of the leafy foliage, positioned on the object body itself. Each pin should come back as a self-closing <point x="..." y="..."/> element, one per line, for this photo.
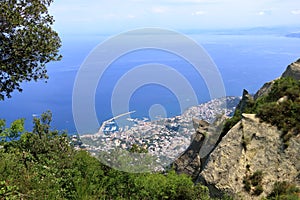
<point x="27" y="43"/>
<point x="12" y="133"/>
<point x="8" y="191"/>
<point x="284" y="191"/>
<point x="229" y="123"/>
<point x="253" y="183"/>
<point x="280" y="107"/>
<point x="43" y="164"/>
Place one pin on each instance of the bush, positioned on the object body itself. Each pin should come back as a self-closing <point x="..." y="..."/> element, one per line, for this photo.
<point x="285" y="114"/>
<point x="44" y="165"/>
<point x="284" y="190"/>
<point x="253" y="183"/>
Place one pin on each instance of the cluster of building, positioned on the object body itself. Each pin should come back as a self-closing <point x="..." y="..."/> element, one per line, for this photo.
<point x="170" y="136"/>
<point x="167" y="136"/>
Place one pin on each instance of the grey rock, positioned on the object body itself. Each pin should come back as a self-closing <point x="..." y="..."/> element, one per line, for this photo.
<point x="282" y="99"/>
<point x="293" y="70"/>
<point x="264" y="90"/>
<point x="246" y="100"/>
<point x="251" y="146"/>
<point x="203" y="141"/>
<point x="189" y="162"/>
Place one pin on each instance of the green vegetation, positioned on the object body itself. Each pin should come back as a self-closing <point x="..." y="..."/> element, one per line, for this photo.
<point x="137" y="149"/>
<point x="229" y="123"/>
<point x="284" y="191"/>
<point x="13" y="132"/>
<point x="253" y="183"/>
<point x="245" y="142"/>
<point x="27" y="44"/>
<point x="280" y="107"/>
<point x="43" y="165"/>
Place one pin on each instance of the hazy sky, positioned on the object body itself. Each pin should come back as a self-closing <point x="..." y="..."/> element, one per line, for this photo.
<point x="103" y="16"/>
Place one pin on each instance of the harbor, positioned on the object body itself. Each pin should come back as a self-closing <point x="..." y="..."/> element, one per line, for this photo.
<point x="169" y="137"/>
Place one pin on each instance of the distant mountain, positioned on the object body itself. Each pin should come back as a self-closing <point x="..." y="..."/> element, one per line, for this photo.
<point x="293" y="35"/>
<point x="246" y="31"/>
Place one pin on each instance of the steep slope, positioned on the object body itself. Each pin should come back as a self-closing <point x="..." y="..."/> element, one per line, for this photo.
<point x="253" y="155"/>
<point x="293" y="71"/>
<point x="251" y="147"/>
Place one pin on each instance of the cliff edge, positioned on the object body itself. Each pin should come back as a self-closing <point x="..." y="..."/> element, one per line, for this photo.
<point x="251" y="147"/>
<point x="251" y="157"/>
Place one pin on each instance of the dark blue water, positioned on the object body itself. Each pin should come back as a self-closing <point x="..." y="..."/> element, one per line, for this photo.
<point x="243" y="61"/>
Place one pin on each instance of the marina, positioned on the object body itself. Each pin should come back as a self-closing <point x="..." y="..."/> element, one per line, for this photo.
<point x="166" y="136"/>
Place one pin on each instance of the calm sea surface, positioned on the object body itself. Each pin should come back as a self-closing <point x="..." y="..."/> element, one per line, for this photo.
<point x="244" y="61"/>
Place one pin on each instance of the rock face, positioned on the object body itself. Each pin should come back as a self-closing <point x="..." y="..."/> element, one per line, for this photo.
<point x="250" y="158"/>
<point x="253" y="150"/>
<point x="203" y="141"/>
<point x="248" y="148"/>
<point x="293" y="70"/>
<point x="246" y="100"/>
<point x="189" y="162"/>
<point x="265" y="89"/>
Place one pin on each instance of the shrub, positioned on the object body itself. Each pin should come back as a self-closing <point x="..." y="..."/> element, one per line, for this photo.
<point x="253" y="183"/>
<point x="284" y="190"/>
<point x="285" y="115"/>
<point x="43" y="165"/>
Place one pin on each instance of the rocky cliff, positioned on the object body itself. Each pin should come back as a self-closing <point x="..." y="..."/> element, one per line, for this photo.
<point x="251" y="147"/>
<point x="251" y="157"/>
<point x="293" y="70"/>
<point x="190" y="162"/>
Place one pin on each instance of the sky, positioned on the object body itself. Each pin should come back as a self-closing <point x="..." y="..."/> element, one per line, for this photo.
<point x="103" y="16"/>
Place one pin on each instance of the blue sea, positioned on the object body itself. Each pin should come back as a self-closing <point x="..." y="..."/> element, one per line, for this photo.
<point x="244" y="61"/>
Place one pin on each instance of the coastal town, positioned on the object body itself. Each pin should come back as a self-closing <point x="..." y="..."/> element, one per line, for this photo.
<point x="164" y="138"/>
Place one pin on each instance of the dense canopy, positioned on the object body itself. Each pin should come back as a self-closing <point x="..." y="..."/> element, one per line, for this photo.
<point x="27" y="43"/>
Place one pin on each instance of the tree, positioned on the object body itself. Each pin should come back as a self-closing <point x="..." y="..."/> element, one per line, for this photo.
<point x="27" y="43"/>
<point x="42" y="164"/>
<point x="12" y="133"/>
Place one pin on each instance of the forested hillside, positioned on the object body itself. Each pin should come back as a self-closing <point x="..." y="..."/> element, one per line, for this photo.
<point x="43" y="164"/>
